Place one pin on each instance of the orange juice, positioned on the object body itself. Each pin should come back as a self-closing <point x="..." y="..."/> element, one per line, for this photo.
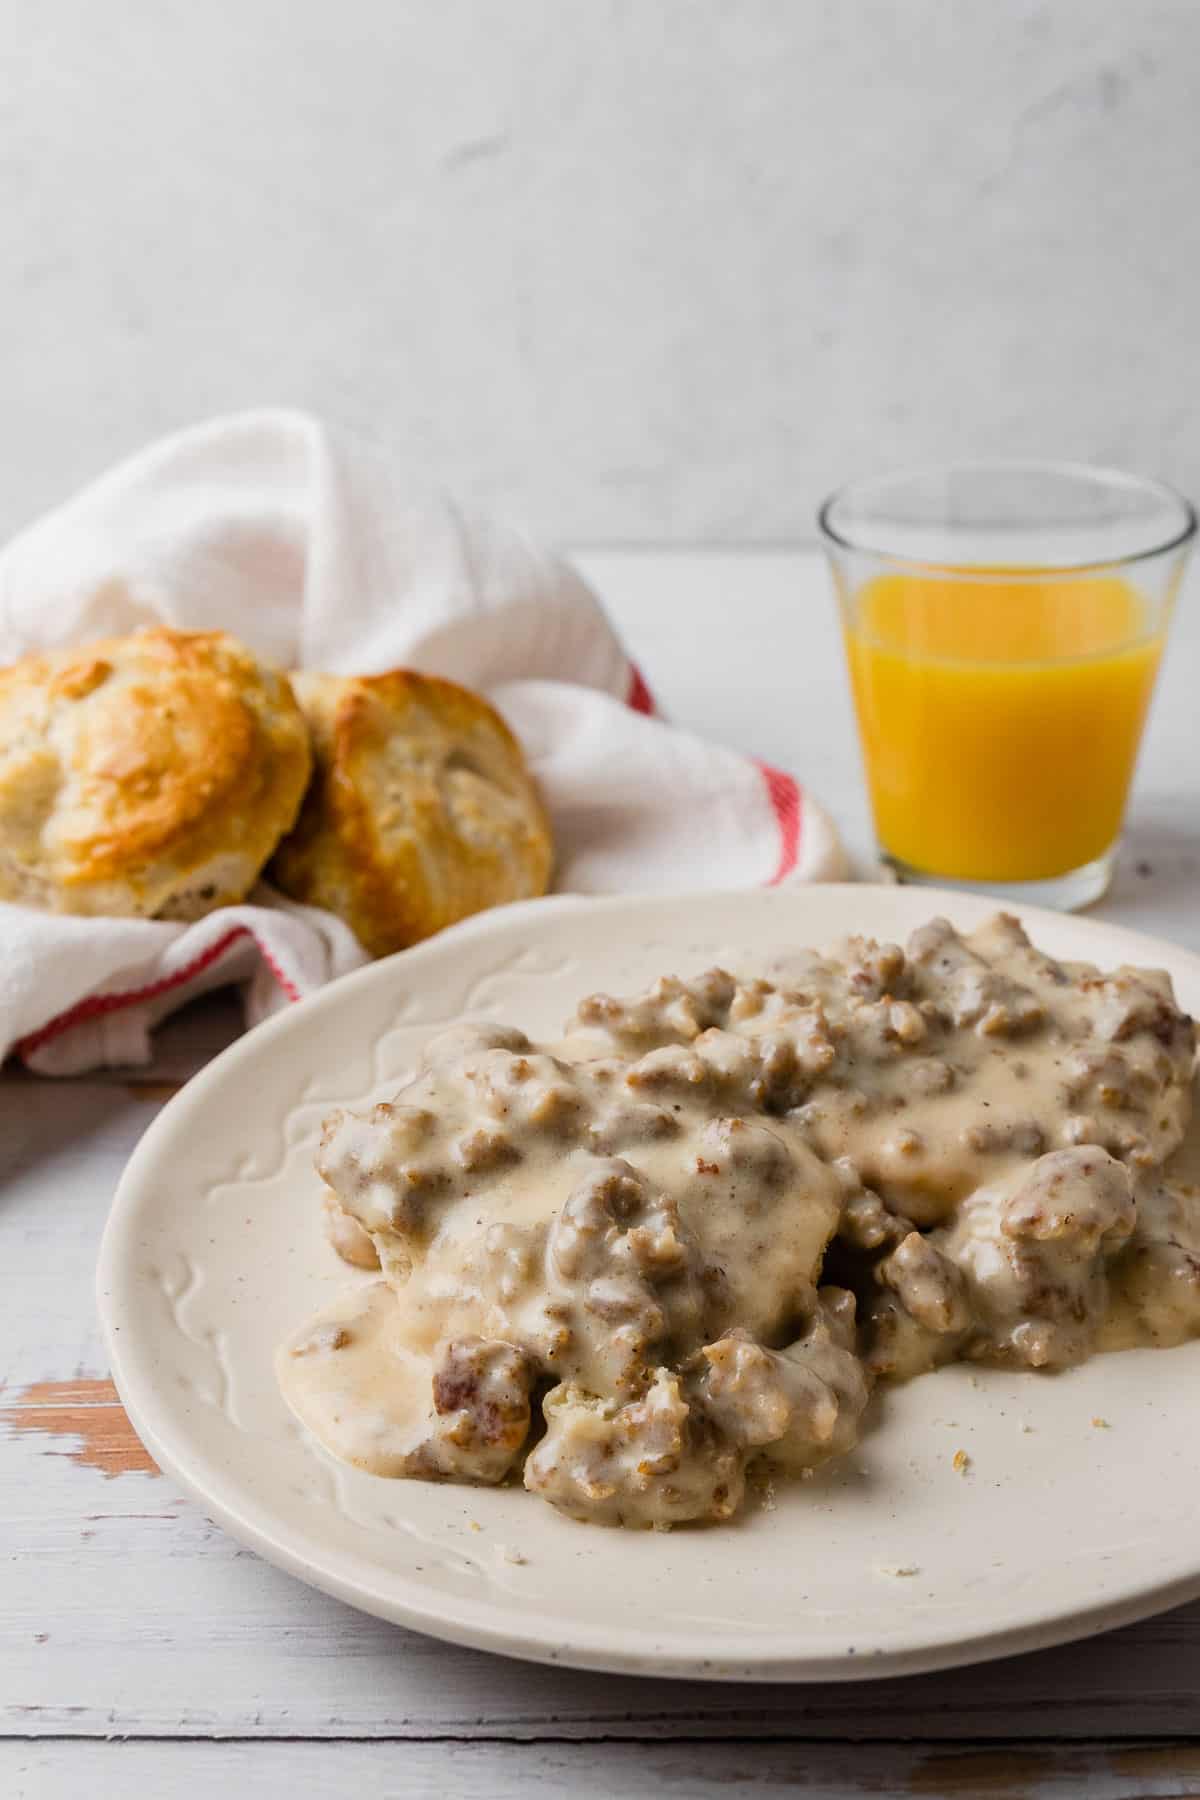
<point x="1000" y="716"/>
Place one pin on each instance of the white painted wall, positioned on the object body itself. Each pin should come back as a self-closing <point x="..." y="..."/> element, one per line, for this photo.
<point x="632" y="269"/>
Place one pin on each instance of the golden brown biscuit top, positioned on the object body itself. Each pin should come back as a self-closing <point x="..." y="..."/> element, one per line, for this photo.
<point x="111" y="751"/>
<point x="401" y="724"/>
<point x="422" y="810"/>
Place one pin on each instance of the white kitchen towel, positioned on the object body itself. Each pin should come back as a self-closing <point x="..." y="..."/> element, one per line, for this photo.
<point x="300" y="542"/>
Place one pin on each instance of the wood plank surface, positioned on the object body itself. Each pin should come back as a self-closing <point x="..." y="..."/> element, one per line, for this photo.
<point x="553" y="1771"/>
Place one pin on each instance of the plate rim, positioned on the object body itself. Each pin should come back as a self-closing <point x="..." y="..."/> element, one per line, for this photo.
<point x="592" y="1648"/>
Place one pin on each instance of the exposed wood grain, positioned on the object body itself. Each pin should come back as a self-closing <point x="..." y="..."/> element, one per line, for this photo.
<point x="155" y="1093"/>
<point x="86" y="1412"/>
<point x="575" y="1772"/>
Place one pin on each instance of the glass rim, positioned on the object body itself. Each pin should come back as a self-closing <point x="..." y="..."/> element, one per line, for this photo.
<point x="1026" y="465"/>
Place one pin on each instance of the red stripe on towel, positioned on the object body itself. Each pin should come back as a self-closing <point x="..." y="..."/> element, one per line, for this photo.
<point x="787" y="803"/>
<point x="96" y="1006"/>
<point x="639" y="697"/>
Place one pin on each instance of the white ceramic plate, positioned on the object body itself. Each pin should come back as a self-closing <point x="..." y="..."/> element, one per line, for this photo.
<point x="890" y="1562"/>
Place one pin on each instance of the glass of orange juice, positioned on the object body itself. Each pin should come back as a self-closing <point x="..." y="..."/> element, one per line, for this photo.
<point x="1004" y="624"/>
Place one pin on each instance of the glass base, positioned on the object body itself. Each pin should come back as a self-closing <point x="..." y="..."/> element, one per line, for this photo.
<point x="1063" y="893"/>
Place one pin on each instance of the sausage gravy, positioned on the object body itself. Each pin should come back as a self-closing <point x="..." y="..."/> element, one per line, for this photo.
<point x="689" y="1238"/>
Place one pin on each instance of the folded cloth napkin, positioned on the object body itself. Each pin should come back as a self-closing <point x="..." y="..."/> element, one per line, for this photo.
<point x="266" y="525"/>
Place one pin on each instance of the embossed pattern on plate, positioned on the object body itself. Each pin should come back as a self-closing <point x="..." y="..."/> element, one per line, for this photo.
<point x="888" y="1563"/>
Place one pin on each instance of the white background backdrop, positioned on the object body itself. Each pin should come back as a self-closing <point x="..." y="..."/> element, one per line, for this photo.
<point x="634" y="270"/>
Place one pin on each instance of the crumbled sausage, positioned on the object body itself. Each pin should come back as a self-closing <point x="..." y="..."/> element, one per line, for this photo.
<point x="621" y="1247"/>
<point x="383" y="1167"/>
<point x="654" y="1461"/>
<point x="481" y="1399"/>
<point x="672" y="1012"/>
<point x="873" y="970"/>
<point x="485" y="1148"/>
<point x="799" y="1405"/>
<point x="973" y="992"/>
<point x="867" y="1224"/>
<point x="827" y="1352"/>
<point x="1033" y="1253"/>
<point x="626" y="1124"/>
<point x="1157" y="1274"/>
<point x="642" y="1224"/>
<point x="928" y="1285"/>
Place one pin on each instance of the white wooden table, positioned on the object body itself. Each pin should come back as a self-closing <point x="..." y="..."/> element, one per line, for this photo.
<point x="142" y="1651"/>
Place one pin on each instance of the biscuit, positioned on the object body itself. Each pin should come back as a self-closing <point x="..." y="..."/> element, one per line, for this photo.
<point x="420" y="812"/>
<point x="147" y="776"/>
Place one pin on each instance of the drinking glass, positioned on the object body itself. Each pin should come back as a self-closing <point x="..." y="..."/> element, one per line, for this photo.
<point x="1004" y="624"/>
